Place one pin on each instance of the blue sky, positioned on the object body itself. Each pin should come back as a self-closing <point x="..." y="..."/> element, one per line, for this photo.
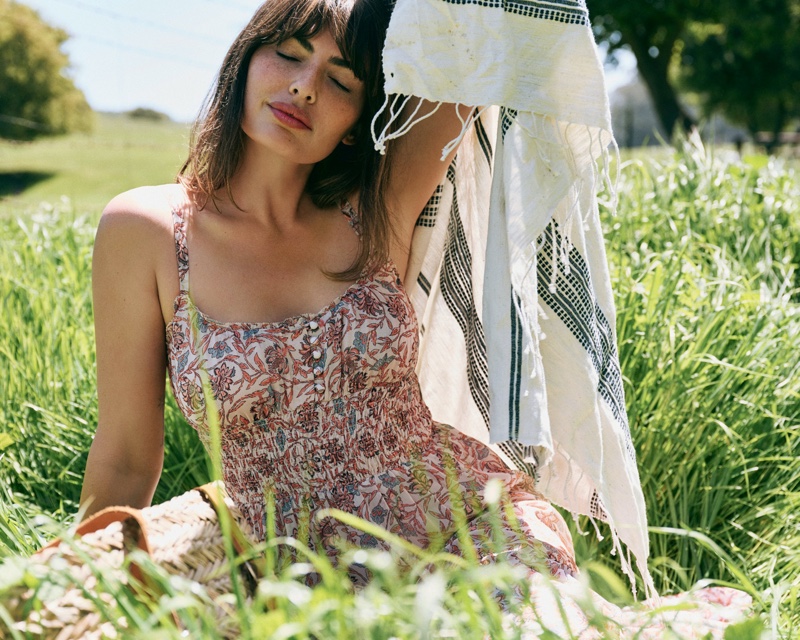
<point x="161" y="54"/>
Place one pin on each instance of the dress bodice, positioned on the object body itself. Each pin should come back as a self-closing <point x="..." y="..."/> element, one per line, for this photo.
<point x="306" y="404"/>
<point x="324" y="410"/>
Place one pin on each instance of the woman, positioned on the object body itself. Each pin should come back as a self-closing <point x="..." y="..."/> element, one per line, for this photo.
<point x="292" y="239"/>
<point x="275" y="217"/>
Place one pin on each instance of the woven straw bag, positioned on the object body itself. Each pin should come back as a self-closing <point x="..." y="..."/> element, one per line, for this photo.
<point x="182" y="535"/>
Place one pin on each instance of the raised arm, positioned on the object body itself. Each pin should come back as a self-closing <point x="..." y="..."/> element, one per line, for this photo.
<point x="417" y="166"/>
<point x="126" y="456"/>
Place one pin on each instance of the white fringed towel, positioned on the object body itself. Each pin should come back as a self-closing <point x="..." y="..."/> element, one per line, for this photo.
<point x="508" y="271"/>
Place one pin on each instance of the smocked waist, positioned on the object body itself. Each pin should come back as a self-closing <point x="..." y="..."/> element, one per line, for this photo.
<point x="326" y="443"/>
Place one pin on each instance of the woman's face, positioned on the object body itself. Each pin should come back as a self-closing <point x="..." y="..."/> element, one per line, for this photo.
<point x="301" y="98"/>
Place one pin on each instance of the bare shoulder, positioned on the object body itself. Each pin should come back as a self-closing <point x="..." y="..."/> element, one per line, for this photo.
<point x="141" y="211"/>
<point x="134" y="249"/>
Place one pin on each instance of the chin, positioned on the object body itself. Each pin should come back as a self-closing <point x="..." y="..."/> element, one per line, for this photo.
<point x="287" y="146"/>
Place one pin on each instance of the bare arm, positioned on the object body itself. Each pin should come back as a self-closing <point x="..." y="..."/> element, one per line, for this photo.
<point x="417" y="167"/>
<point x="126" y="456"/>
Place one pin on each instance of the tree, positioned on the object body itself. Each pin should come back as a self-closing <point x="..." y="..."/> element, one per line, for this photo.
<point x="747" y="64"/>
<point x="739" y="57"/>
<point x="652" y="29"/>
<point x="145" y="113"/>
<point x="37" y="98"/>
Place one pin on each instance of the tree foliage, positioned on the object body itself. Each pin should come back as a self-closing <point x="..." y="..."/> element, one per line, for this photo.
<point x="741" y="57"/>
<point x="37" y="98"/>
<point x="652" y="29"/>
<point x="145" y="113"/>
<point x="746" y="64"/>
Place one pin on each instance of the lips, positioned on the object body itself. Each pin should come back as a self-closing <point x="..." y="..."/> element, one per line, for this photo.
<point x="290" y="115"/>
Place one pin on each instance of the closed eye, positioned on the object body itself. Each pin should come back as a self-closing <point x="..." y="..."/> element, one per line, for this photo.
<point x="339" y="84"/>
<point x="286" y="56"/>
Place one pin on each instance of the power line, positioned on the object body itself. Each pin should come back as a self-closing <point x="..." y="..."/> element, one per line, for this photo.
<point x="227" y="3"/>
<point x="142" y="21"/>
<point x="153" y="54"/>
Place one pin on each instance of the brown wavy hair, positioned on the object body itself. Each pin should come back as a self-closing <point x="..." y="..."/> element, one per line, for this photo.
<point x="217" y="142"/>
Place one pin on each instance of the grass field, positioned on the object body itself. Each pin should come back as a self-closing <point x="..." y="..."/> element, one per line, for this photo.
<point x="705" y="257"/>
<point x="90" y="169"/>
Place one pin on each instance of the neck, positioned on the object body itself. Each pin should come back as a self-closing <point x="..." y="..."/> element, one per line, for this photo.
<point x="269" y="188"/>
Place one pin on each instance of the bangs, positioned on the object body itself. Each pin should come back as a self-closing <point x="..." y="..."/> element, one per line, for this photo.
<point x="345" y="19"/>
<point x="361" y="42"/>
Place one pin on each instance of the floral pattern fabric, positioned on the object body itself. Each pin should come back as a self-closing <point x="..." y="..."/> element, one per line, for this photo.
<point x="324" y="410"/>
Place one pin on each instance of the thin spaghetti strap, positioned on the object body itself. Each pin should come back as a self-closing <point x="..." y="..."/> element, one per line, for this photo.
<point x="179" y="228"/>
<point x="352" y="214"/>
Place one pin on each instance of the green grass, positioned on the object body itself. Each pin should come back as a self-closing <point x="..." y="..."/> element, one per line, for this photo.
<point x="705" y="258"/>
<point x="704" y="253"/>
<point x="89" y="169"/>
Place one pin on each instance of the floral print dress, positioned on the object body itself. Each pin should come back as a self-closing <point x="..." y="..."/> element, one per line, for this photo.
<point x="324" y="410"/>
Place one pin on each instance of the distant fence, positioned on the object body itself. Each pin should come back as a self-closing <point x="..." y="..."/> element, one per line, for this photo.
<point x="788" y="139"/>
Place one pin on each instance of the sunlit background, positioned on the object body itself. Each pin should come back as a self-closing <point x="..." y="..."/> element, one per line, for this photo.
<point x="163" y="54"/>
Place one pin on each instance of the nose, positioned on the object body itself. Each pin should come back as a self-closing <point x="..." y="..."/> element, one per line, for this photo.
<point x="306" y="95"/>
<point x="304" y="86"/>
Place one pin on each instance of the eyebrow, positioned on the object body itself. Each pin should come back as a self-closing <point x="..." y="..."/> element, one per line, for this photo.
<point x="339" y="62"/>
